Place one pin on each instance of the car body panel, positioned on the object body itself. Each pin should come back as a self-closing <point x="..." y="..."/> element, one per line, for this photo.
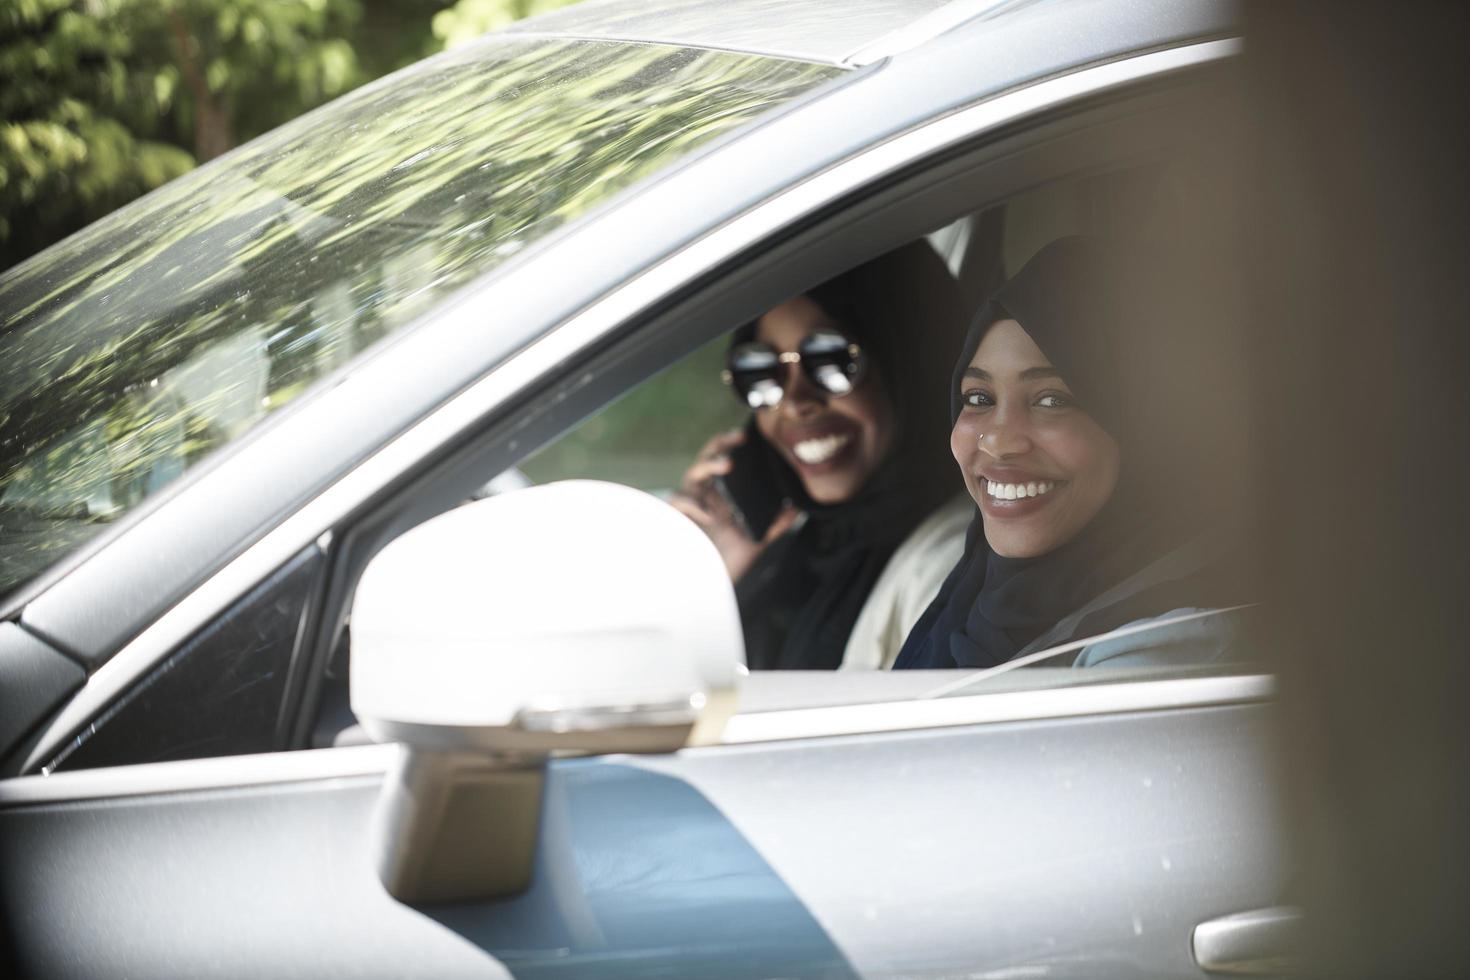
<point x="868" y="30"/>
<point x="34" y="679"/>
<point x="1084" y="847"/>
<point x="809" y="30"/>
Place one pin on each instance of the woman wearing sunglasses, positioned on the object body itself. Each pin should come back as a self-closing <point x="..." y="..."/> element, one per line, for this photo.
<point x="1097" y="454"/>
<point x="842" y="458"/>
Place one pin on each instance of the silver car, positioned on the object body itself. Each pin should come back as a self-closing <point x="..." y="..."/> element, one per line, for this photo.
<point x="232" y="403"/>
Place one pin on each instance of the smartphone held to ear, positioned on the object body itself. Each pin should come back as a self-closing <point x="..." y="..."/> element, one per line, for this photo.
<point x="751" y="490"/>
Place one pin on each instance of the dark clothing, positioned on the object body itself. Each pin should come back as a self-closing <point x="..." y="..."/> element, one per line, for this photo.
<point x="799" y="601"/>
<point x="1072" y="299"/>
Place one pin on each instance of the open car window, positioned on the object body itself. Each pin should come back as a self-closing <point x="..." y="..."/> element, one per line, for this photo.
<point x="648" y="437"/>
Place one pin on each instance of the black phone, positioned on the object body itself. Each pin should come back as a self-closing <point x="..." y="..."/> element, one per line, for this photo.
<point x="751" y="488"/>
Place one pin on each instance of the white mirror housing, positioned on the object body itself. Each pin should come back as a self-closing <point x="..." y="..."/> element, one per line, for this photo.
<point x="535" y="619"/>
<point x="576" y="616"/>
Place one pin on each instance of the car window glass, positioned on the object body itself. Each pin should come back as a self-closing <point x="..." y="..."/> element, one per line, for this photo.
<point x="646" y="438"/>
<point x="221" y="693"/>
<point x="280" y="261"/>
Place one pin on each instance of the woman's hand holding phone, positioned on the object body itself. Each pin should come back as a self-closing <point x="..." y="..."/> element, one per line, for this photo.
<point x="701" y="501"/>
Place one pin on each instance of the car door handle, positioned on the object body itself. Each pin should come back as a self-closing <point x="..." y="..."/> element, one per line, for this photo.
<point x="1262" y="942"/>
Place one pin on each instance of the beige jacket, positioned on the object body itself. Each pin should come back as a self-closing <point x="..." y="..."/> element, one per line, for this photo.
<point x="909" y="582"/>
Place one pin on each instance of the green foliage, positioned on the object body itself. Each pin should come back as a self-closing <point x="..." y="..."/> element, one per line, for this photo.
<point x="647" y="438"/>
<point x="104" y="100"/>
<point x="67" y="152"/>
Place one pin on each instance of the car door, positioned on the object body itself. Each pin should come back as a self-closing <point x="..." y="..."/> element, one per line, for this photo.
<point x="1046" y="832"/>
<point x="1084" y="829"/>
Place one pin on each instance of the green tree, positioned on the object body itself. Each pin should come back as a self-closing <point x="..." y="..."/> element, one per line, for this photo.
<point x="67" y="152"/>
<point x="107" y="99"/>
<point x="104" y="100"/>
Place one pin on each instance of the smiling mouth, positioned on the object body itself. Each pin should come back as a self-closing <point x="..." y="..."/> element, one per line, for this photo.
<point x="816" y="451"/>
<point x="1018" y="491"/>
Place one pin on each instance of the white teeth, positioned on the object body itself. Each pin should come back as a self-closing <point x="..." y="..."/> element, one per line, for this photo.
<point x="813" y="451"/>
<point x="1014" y="491"/>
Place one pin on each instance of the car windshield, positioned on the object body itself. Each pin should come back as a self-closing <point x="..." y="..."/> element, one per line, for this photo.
<point x="143" y="344"/>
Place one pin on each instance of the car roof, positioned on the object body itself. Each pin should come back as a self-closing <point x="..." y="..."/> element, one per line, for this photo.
<point x="854" y="33"/>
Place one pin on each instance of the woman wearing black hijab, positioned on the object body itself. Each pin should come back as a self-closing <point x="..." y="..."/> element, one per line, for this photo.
<point x="856" y="453"/>
<point x="1093" y="500"/>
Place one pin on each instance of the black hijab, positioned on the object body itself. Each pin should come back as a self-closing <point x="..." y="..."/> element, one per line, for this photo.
<point x="1085" y="309"/>
<point x="800" y="599"/>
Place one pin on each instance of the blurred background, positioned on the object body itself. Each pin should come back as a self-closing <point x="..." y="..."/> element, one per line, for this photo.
<point x="104" y="100"/>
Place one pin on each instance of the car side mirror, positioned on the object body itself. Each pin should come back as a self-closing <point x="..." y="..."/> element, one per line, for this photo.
<point x="578" y="616"/>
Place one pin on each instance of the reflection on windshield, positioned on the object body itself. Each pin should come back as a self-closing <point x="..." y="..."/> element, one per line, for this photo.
<point x="139" y="346"/>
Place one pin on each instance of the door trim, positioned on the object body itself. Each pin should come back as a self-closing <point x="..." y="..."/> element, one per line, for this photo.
<point x="233" y="772"/>
<point x="992" y="709"/>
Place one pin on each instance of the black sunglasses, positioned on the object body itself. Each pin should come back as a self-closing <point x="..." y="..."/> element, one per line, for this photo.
<point x="832" y="363"/>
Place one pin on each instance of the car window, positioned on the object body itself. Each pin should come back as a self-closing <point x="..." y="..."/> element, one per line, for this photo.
<point x="222" y="693"/>
<point x="138" y="347"/>
<point x="646" y="438"/>
<point x="650" y="436"/>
